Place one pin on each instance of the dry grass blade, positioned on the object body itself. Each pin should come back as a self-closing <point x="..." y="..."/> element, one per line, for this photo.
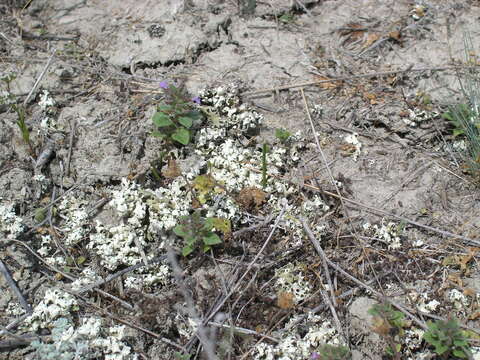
<point x="466" y="116"/>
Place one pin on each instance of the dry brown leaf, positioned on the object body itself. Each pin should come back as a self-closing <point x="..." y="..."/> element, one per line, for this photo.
<point x="196" y="204"/>
<point x="455" y="278"/>
<point x="285" y="300"/>
<point x="395" y="35"/>
<point x="251" y="197"/>
<point x="371" y="38"/>
<point x="328" y="85"/>
<point x="259" y="328"/>
<point x="372" y="98"/>
<point x="172" y="170"/>
<point x="469" y="292"/>
<point x="347" y="149"/>
<point x="353" y="32"/>
<point x="465" y="259"/>
<point x="381" y="326"/>
<point x="420" y="10"/>
<point x="474" y="316"/>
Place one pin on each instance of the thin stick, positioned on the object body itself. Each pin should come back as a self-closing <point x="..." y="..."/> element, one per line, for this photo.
<point x="386" y="213"/>
<point x="253" y="227"/>
<point x="73" y="126"/>
<point x="14" y="323"/>
<point x="14" y="287"/>
<point x="385" y="73"/>
<point x="332" y="180"/>
<point x="136" y="327"/>
<point x="42" y="74"/>
<point x="243" y="331"/>
<point x="250" y="266"/>
<point x="338" y="326"/>
<point x="120" y="273"/>
<point x="207" y="343"/>
<point x="71" y="278"/>
<point x="314" y="241"/>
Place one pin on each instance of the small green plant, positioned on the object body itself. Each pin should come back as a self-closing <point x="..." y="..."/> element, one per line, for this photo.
<point x="6" y="98"/>
<point x="23" y="126"/>
<point x="194" y="228"/>
<point x="287" y="18"/>
<point x="282" y="135"/>
<point x="176" y="116"/>
<point x="247" y="7"/>
<point x="463" y="119"/>
<point x="465" y="116"/>
<point x="448" y="339"/>
<point x="389" y="324"/>
<point x="330" y="352"/>
<point x="179" y="356"/>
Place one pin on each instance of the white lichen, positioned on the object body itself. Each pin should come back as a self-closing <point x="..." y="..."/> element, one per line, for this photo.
<point x="291" y="279"/>
<point x="353" y="140"/>
<point x="11" y="225"/>
<point x="54" y="304"/>
<point x="294" y="345"/>
<point x="388" y="233"/>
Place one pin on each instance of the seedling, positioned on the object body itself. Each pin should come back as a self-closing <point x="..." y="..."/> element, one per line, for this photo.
<point x="176" y="116"/>
<point x="287" y="18"/>
<point x="9" y="100"/>
<point x="448" y="339"/>
<point x="194" y="228"/>
<point x="466" y="116"/>
<point x="282" y="135"/>
<point x="389" y="324"/>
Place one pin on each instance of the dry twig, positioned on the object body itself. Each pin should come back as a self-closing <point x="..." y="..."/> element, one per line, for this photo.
<point x="14" y="287"/>
<point x="400" y="307"/>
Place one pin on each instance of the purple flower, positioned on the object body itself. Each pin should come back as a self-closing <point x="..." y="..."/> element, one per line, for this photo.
<point x="163" y="84"/>
<point x="315" y="356"/>
<point x="196" y="100"/>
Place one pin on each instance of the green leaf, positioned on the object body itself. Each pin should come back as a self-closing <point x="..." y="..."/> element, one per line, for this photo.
<point x="161" y="119"/>
<point x="194" y="115"/>
<point x="287" y="18"/>
<point x="206" y="248"/>
<point x="179" y="230"/>
<point x="460" y="354"/>
<point x="185" y="121"/>
<point x="81" y="260"/>
<point x="40" y="215"/>
<point x="208" y="225"/>
<point x="158" y="134"/>
<point x="440" y="348"/>
<point x="457" y="132"/>
<point x="460" y="342"/>
<point x="187" y="250"/>
<point x="282" y="134"/>
<point x="180" y="356"/>
<point x="165" y="108"/>
<point x="448" y="116"/>
<point x="212" y="239"/>
<point x="222" y="225"/>
<point x="190" y="240"/>
<point x="182" y="136"/>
